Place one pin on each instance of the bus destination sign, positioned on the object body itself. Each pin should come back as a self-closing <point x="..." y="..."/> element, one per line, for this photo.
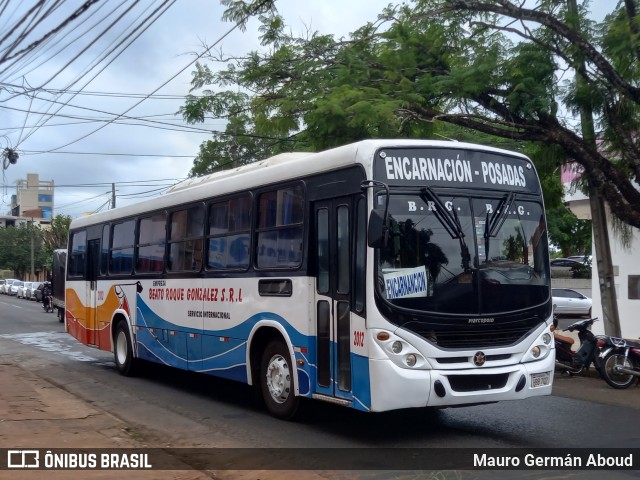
<point x="443" y="167"/>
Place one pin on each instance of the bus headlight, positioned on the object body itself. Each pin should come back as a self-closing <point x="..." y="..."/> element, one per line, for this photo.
<point x="540" y="348"/>
<point x="536" y="352"/>
<point x="400" y="351"/>
<point x="411" y="360"/>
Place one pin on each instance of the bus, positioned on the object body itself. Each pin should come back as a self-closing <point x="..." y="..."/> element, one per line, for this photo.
<point x="380" y="275"/>
<point x="58" y="280"/>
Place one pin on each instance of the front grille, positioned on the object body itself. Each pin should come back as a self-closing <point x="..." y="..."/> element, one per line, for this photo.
<point x="474" y="383"/>
<point x="474" y="336"/>
<point x="488" y="358"/>
<point x="452" y="360"/>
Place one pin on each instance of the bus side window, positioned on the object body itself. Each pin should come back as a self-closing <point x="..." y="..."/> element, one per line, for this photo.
<point x="104" y="250"/>
<point x="279" y="231"/>
<point x="150" y="248"/>
<point x="228" y="236"/>
<point x="185" y="245"/>
<point x="121" y="253"/>
<point x="78" y="254"/>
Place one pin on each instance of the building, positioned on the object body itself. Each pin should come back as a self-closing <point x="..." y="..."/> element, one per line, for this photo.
<point x="33" y="199"/>
<point x="11" y="221"/>
<point x="626" y="263"/>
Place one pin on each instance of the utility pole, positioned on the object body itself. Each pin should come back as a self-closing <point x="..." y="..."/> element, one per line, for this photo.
<point x="33" y="271"/>
<point x="601" y="245"/>
<point x="113" y="195"/>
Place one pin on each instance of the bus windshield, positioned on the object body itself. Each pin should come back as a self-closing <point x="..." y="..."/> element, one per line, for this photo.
<point x="469" y="254"/>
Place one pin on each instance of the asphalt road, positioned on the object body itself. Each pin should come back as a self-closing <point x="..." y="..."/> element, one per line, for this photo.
<point x="173" y="408"/>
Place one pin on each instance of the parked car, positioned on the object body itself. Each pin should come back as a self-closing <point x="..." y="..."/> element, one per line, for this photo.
<point x="2" y="282"/>
<point x="22" y="290"/>
<point x="31" y="293"/>
<point x="567" y="301"/>
<point x="15" y="285"/>
<point x="7" y="285"/>
<point x="583" y="259"/>
<point x="564" y="267"/>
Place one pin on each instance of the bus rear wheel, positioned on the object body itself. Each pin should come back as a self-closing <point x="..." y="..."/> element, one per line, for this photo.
<point x="123" y="351"/>
<point x="277" y="382"/>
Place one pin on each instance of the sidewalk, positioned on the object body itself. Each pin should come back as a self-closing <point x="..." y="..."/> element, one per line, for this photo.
<point x="36" y="414"/>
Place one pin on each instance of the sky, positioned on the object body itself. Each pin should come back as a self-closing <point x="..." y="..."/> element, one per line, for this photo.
<point x="141" y="160"/>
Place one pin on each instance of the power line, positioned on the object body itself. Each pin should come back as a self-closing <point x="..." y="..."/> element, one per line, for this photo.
<point x="129" y="183"/>
<point x="30" y="58"/>
<point x="143" y="118"/>
<point x="162" y="9"/>
<point x="35" y="21"/>
<point x="154" y="124"/>
<point x="61" y="152"/>
<point x="55" y="91"/>
<point x="157" y="123"/>
<point x="240" y="22"/>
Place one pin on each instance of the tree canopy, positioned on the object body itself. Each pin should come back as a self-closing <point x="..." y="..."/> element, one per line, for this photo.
<point x="15" y="245"/>
<point x="15" y="249"/>
<point x="57" y="234"/>
<point x="504" y="69"/>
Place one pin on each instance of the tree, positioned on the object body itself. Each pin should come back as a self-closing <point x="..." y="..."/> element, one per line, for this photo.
<point x="58" y="233"/>
<point x="571" y="235"/>
<point x="495" y="67"/>
<point x="15" y="249"/>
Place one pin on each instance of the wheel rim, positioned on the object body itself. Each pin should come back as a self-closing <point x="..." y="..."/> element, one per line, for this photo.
<point x="121" y="347"/>
<point x="612" y="365"/>
<point x="278" y="379"/>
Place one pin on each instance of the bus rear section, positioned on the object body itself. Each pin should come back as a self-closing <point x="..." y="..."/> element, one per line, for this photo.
<point x="58" y="279"/>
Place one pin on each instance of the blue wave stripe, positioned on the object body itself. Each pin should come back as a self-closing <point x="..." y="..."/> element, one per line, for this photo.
<point x="206" y="353"/>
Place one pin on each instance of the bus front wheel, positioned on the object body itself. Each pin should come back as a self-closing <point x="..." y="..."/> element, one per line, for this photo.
<point x="123" y="350"/>
<point x="276" y="381"/>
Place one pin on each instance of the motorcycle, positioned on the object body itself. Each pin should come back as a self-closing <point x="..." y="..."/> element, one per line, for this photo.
<point x="47" y="303"/>
<point x="620" y="362"/>
<point x="570" y="362"/>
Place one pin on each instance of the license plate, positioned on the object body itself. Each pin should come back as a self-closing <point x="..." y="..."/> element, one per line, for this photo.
<point x="540" y="379"/>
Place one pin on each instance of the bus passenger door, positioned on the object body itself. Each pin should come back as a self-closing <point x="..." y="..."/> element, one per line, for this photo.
<point x="333" y="296"/>
<point x="93" y="266"/>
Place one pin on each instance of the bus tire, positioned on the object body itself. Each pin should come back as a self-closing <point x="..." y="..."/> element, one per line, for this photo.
<point x="123" y="351"/>
<point x="277" y="382"/>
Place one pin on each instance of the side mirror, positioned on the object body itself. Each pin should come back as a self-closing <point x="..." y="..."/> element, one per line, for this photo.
<point x="379" y="224"/>
<point x="378" y="230"/>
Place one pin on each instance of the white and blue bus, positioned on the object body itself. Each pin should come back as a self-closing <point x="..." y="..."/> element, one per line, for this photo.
<point x="379" y="275"/>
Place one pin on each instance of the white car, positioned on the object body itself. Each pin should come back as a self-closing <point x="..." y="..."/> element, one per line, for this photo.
<point x="13" y="290"/>
<point x="6" y="288"/>
<point x="22" y="291"/>
<point x="570" y="302"/>
<point x="30" y="294"/>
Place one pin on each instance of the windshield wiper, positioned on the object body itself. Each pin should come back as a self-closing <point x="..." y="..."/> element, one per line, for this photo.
<point x="450" y="221"/>
<point x="494" y="223"/>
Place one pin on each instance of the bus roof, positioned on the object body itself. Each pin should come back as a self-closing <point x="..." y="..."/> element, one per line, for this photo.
<point x="280" y="167"/>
